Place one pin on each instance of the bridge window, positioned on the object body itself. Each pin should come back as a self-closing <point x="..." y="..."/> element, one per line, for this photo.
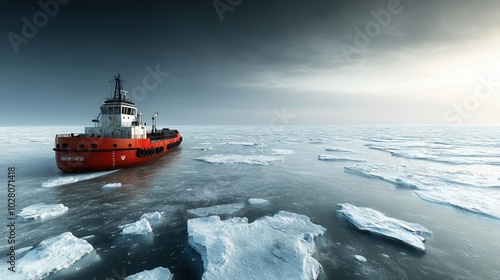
<point x="133" y="112"/>
<point x="117" y="110"/>
<point x="129" y="111"/>
<point x="104" y="110"/>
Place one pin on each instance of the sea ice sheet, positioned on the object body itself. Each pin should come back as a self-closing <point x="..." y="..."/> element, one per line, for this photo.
<point x="42" y="211"/>
<point x="223" y="209"/>
<point x="247" y="159"/>
<point x="159" y="273"/>
<point x="272" y="247"/>
<point x="50" y="256"/>
<point x="457" y="188"/>
<point x="370" y="220"/>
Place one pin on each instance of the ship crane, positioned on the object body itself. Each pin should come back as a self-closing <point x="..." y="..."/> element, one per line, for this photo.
<point x="153" y="121"/>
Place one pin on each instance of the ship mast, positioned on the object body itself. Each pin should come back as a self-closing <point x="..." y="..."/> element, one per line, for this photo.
<point x="118" y="87"/>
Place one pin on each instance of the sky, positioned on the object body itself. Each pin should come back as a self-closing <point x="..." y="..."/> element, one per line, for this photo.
<point x="276" y="62"/>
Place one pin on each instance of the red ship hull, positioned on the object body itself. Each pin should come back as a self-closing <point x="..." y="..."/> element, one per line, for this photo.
<point x="75" y="154"/>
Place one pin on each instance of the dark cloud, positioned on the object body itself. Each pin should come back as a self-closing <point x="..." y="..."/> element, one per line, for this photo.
<point x="264" y="55"/>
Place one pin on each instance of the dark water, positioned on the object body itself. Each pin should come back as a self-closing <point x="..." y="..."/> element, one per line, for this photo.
<point x="464" y="245"/>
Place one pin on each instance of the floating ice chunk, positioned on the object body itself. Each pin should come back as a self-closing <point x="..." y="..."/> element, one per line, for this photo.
<point x="257" y="201"/>
<point x="64" y="180"/>
<point x="277" y="247"/>
<point x="159" y="273"/>
<point x="282" y="152"/>
<point x="336" y="149"/>
<point x="337" y="158"/>
<point x="112" y="185"/>
<point x="370" y="220"/>
<point x="153" y="216"/>
<point x="202" y="148"/>
<point x="223" y="209"/>
<point x="360" y="258"/>
<point x="42" y="211"/>
<point x="140" y="227"/>
<point x="50" y="255"/>
<point x="247" y="159"/>
<point x="248" y="144"/>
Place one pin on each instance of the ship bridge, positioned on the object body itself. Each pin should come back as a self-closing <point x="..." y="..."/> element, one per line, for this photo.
<point x="119" y="117"/>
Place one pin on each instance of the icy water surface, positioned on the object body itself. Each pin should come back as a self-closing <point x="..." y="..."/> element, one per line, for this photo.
<point x="446" y="179"/>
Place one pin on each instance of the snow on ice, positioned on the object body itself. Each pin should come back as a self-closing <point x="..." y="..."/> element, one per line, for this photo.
<point x="51" y="255"/>
<point x="42" y="211"/>
<point x="370" y="220"/>
<point x="247" y="159"/>
<point x="272" y="247"/>
<point x="159" y="273"/>
<point x="223" y="209"/>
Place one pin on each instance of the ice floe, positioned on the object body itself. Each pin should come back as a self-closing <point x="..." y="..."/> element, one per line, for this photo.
<point x="112" y="185"/>
<point x="456" y="188"/>
<point x="257" y="201"/>
<point x="223" y="209"/>
<point x="360" y="258"/>
<point x="247" y="159"/>
<point x="51" y="255"/>
<point x="279" y="152"/>
<point x="142" y="226"/>
<point x="159" y="273"/>
<point x="367" y="219"/>
<point x="69" y="179"/>
<point x="272" y="247"/>
<point x="205" y="148"/>
<point x="441" y="153"/>
<point x="337" y="149"/>
<point x="484" y="202"/>
<point x="153" y="216"/>
<point x="338" y="158"/>
<point x="42" y="211"/>
<point x="248" y="144"/>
